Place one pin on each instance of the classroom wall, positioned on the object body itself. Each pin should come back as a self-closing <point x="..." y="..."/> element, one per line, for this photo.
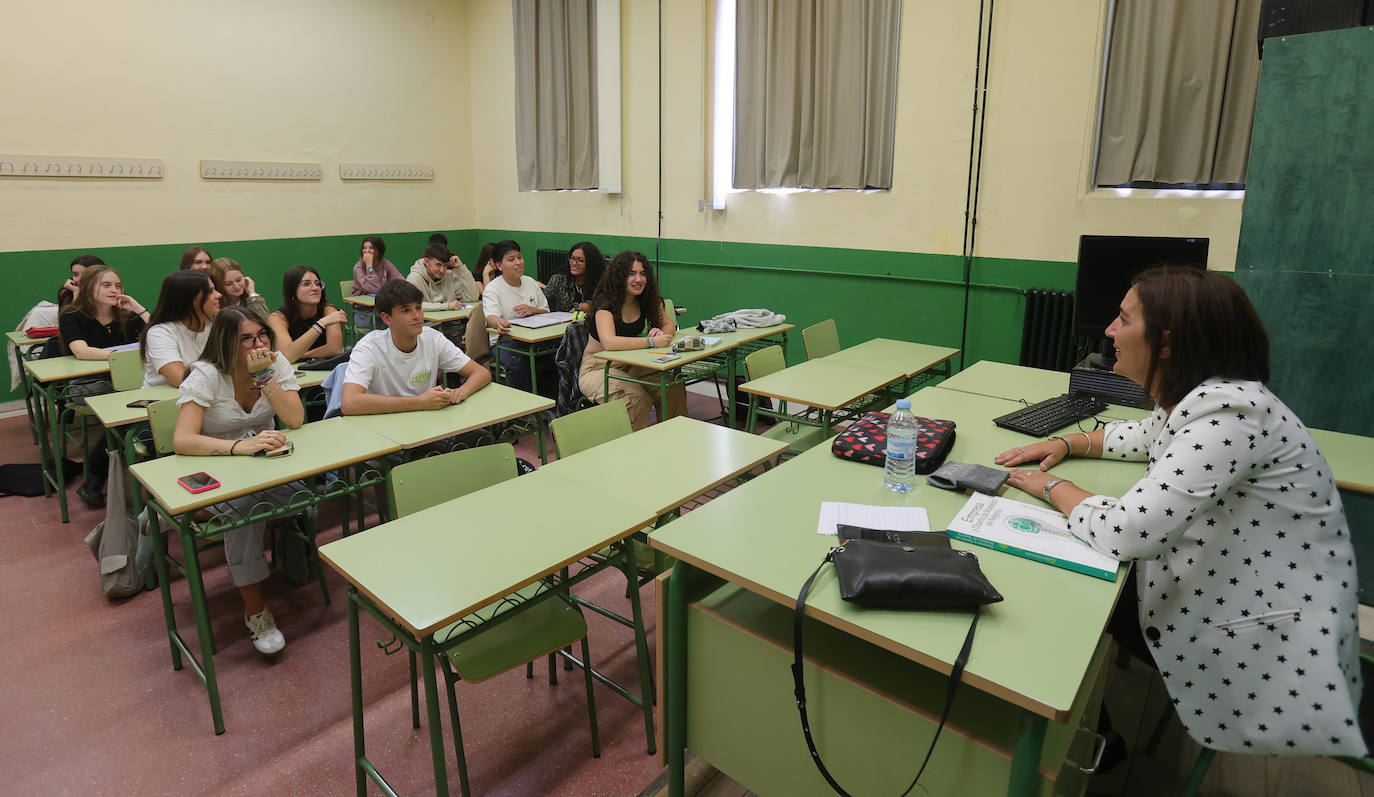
<point x="315" y="80"/>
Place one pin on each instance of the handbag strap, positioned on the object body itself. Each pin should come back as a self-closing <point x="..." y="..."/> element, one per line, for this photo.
<point x="799" y="687"/>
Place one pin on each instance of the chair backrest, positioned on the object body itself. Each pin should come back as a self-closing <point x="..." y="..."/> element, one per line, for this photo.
<point x="765" y="361"/>
<point x="162" y="416"/>
<point x="590" y="427"/>
<point x="669" y="310"/>
<point x="345" y="288"/>
<point x="126" y="369"/>
<point x="433" y="480"/>
<point x="821" y="339"/>
<point x="475" y="341"/>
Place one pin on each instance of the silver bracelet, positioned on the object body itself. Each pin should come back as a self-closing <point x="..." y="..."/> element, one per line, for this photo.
<point x="1050" y="486"/>
<point x="1068" y="449"/>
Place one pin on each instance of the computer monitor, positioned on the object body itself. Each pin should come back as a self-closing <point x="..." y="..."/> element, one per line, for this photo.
<point x="1108" y="263"/>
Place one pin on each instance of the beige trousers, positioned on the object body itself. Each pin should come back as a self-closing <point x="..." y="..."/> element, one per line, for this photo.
<point x="638" y="398"/>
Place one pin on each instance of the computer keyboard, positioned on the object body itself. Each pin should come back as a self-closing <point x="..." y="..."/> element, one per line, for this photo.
<point x="1051" y="414"/>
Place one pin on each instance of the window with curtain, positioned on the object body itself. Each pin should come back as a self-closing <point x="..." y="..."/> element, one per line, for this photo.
<point x="815" y="93"/>
<point x="555" y="94"/>
<point x="1178" y="100"/>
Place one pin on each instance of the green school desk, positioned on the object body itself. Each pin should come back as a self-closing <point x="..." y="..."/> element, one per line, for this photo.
<point x="28" y="348"/>
<point x="425" y="571"/>
<point x="536" y="341"/>
<point x="1031" y="676"/>
<point x="828" y="385"/>
<point x="916" y="359"/>
<point x="725" y="357"/>
<point x="487" y="407"/>
<point x="323" y="446"/>
<point x="53" y="380"/>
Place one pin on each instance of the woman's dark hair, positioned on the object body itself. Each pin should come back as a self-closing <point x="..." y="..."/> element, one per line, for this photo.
<point x="222" y="345"/>
<point x="378" y="245"/>
<point x="290" y="282"/>
<point x="1212" y="331"/>
<point x="483" y="257"/>
<point x="596" y="265"/>
<point x="180" y="299"/>
<point x="610" y="294"/>
<point x="189" y="256"/>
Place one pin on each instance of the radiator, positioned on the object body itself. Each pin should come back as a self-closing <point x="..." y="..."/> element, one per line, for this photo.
<point x="549" y="262"/>
<point x="1047" y="330"/>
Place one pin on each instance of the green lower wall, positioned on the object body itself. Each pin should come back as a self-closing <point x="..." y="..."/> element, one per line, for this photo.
<point x="869" y="293"/>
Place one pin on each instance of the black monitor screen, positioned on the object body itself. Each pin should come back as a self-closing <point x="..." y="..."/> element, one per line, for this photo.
<point x="1108" y="263"/>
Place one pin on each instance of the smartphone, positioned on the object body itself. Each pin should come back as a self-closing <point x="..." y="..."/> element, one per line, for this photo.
<point x="198" y="482"/>
<point x="281" y="451"/>
<point x="665" y="358"/>
<point x="140" y="403"/>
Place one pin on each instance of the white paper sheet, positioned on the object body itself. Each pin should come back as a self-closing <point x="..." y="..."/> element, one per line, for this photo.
<point x="889" y="518"/>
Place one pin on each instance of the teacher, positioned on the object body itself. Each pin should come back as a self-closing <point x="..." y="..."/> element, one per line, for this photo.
<point x="1245" y="570"/>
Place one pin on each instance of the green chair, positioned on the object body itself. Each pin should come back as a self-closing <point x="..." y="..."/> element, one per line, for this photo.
<point x="669" y="310"/>
<point x="590" y="427"/>
<point x="799" y="436"/>
<point x="821" y="339"/>
<point x="544" y="628"/>
<point x="162" y="417"/>
<point x="126" y="370"/>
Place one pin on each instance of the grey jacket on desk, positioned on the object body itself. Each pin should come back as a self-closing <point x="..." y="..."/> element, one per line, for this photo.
<point x="1245" y="569"/>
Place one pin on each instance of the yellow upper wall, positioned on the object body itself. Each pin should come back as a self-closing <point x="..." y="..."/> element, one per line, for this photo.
<point x="323" y="81"/>
<point x="1034" y="199"/>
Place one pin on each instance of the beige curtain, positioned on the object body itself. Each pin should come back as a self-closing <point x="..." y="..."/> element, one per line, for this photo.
<point x="555" y="94"/>
<point x="1179" y="100"/>
<point x="815" y="93"/>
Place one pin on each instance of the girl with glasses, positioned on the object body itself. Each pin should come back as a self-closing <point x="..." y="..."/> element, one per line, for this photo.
<point x="307" y="323"/>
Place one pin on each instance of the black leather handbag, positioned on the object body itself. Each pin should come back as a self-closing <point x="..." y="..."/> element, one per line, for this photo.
<point x="886" y="575"/>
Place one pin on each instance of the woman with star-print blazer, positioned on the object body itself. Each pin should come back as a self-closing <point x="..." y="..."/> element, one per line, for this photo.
<point x="1244" y="566"/>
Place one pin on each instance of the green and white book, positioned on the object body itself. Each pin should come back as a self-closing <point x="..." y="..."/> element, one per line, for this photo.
<point x="1029" y="531"/>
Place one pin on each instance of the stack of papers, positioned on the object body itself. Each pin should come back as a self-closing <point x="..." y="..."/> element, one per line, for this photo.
<point x="542" y="320"/>
<point x="886" y="518"/>
<point x="1029" y="531"/>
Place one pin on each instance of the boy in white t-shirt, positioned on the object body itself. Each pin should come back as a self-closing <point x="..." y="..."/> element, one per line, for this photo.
<point x="514" y="295"/>
<point x="397" y="369"/>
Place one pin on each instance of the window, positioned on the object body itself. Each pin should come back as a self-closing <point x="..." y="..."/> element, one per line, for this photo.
<point x="815" y="90"/>
<point x="1178" y="97"/>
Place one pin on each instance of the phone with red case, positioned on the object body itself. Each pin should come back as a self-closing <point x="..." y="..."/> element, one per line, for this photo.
<point x="198" y="482"/>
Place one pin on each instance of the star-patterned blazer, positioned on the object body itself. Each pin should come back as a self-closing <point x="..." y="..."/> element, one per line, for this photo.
<point x="1245" y="570"/>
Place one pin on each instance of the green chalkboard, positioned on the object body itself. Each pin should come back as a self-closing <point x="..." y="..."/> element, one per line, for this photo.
<point x="1306" y="252"/>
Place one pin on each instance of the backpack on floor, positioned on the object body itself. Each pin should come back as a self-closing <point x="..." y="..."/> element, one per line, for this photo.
<point x="26" y="478"/>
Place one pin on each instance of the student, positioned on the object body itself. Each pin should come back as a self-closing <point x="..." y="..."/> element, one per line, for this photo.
<point x="486" y="269"/>
<point x="80" y="263"/>
<point x="442" y="278"/>
<point x="512" y="295"/>
<point x="100" y="316"/>
<point x="237" y="288"/>
<point x="195" y="258"/>
<point x="1244" y="566"/>
<point x="397" y="369"/>
<point x="372" y="270"/>
<point x="628" y="314"/>
<point x="307" y="323"/>
<point x="572" y="287"/>
<point x="228" y="406"/>
<point x="176" y="333"/>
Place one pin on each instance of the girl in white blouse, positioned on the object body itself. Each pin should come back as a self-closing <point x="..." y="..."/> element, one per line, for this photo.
<point x="228" y="405"/>
<point x="178" y="328"/>
<point x="1244" y="565"/>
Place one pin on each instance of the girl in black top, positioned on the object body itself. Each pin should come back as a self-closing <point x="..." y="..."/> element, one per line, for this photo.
<point x="572" y="287"/>
<point x="627" y="302"/>
<point x="100" y="316"/>
<point x="306" y="323"/>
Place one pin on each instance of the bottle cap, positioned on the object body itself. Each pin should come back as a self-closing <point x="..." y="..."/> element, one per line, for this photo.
<point x="903" y="404"/>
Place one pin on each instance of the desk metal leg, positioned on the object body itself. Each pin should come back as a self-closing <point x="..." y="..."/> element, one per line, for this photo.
<point x="641" y="644"/>
<point x="436" y="732"/>
<point x="164" y="584"/>
<point x="355" y="686"/>
<point x="732" y="396"/>
<point x="674" y="707"/>
<point x="203" y="632"/>
<point x="1025" y="757"/>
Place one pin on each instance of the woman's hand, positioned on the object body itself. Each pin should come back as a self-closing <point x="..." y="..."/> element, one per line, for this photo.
<point x="336" y="317"/>
<point x="260" y="359"/>
<point x="1047" y="452"/>
<point x="263" y="441"/>
<point x="489" y="272"/>
<point x="126" y="302"/>
<point x="70" y="285"/>
<point x="659" y="340"/>
<point x="1030" y="481"/>
<point x="248" y="287"/>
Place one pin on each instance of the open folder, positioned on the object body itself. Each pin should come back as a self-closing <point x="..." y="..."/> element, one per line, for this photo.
<point x="542" y="320"/>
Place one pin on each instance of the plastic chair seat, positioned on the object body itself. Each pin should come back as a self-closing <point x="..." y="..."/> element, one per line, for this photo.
<point x="531" y="634"/>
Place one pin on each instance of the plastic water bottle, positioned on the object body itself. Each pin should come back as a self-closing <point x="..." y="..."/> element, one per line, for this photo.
<point x="899" y="473"/>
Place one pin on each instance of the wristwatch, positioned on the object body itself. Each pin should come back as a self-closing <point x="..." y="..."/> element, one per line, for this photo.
<point x="1050" y="486"/>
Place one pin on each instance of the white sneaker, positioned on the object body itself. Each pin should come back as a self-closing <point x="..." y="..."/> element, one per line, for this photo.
<point x="267" y="638"/>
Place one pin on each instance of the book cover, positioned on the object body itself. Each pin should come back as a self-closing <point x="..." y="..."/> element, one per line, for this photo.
<point x="1028" y="531"/>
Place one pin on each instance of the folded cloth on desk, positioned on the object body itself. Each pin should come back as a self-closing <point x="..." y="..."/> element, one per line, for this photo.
<point x="967" y="476"/>
<point x="742" y="319"/>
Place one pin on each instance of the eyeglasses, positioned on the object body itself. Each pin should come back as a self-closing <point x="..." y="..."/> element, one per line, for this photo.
<point x="311" y="284"/>
<point x="263" y="336"/>
<point x="576" y="259"/>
